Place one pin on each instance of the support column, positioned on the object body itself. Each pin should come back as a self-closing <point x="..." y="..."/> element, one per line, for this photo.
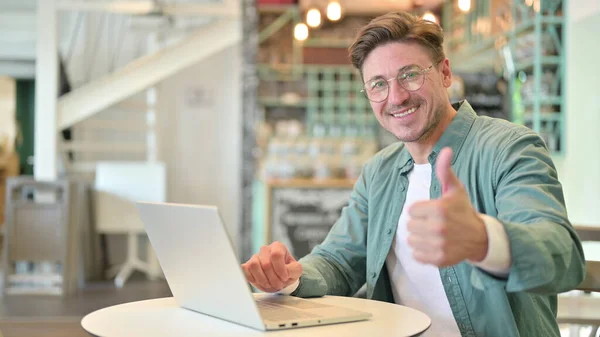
<point x="250" y="113"/>
<point x="46" y="93"/>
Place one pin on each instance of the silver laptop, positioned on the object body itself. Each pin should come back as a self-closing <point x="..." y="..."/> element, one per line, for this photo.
<point x="204" y="274"/>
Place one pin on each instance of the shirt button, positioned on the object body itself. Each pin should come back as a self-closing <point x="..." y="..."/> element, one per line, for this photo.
<point x="374" y="275"/>
<point x="389" y="231"/>
<point x="402" y="188"/>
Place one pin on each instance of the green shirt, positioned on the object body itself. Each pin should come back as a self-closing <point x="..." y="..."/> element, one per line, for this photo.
<point x="508" y="174"/>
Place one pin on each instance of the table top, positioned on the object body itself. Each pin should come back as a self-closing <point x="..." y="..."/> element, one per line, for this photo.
<point x="162" y="317"/>
<point x="591" y="249"/>
<point x="584" y="309"/>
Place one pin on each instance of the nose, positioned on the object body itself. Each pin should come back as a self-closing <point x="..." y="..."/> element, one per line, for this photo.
<point x="398" y="94"/>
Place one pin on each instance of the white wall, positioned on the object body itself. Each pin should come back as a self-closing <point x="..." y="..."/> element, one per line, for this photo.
<point x="200" y="137"/>
<point x="579" y="168"/>
<point x="17" y="38"/>
<point x="581" y="9"/>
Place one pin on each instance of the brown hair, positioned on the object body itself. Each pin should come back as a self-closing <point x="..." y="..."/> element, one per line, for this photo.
<point x="397" y="27"/>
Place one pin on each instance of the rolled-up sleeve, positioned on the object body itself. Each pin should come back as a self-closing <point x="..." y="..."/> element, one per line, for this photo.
<point x="546" y="253"/>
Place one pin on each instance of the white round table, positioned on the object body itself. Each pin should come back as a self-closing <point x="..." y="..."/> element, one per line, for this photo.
<point x="584" y="309"/>
<point x="591" y="249"/>
<point x="163" y="317"/>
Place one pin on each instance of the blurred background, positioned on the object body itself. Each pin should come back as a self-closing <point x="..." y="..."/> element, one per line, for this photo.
<point x="252" y="106"/>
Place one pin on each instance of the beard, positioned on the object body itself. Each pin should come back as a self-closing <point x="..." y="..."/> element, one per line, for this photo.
<point x="430" y="125"/>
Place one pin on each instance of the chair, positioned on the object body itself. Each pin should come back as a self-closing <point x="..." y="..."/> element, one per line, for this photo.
<point x="117" y="186"/>
<point x="41" y="228"/>
<point x="584" y="309"/>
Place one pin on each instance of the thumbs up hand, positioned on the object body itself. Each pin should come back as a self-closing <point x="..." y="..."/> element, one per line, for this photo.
<point x="448" y="230"/>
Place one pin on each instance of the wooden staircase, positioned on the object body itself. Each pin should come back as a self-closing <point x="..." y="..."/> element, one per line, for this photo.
<point x="114" y="117"/>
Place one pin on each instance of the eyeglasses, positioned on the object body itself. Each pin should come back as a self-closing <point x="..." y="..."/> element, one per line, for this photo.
<point x="411" y="79"/>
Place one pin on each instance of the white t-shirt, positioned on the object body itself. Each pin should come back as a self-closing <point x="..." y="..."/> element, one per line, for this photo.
<point x="414" y="284"/>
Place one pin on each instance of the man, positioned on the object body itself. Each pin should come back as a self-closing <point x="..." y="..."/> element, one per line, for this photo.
<point x="464" y="219"/>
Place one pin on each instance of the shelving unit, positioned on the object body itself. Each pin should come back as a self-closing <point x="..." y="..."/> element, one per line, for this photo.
<point x="481" y="90"/>
<point x="329" y="95"/>
<point x="527" y="42"/>
<point x="542" y="96"/>
<point x="337" y="101"/>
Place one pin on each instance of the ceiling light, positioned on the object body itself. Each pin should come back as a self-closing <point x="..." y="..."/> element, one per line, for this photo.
<point x="313" y="18"/>
<point x="301" y="32"/>
<point x="334" y="11"/>
<point x="430" y="17"/>
<point x="464" y="5"/>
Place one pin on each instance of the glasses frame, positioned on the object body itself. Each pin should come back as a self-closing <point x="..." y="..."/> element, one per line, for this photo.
<point x="422" y="72"/>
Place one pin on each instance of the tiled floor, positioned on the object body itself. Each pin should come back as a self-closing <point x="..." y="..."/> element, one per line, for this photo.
<point x="42" y="329"/>
<point x="49" y="316"/>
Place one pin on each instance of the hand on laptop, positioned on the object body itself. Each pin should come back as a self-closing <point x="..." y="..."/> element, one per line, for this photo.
<point x="273" y="268"/>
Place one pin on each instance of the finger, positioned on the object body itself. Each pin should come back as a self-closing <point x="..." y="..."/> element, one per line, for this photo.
<point x="413" y="226"/>
<point x="426" y="209"/>
<point x="264" y="257"/>
<point x="421" y="226"/>
<point x="422" y="256"/>
<point x="289" y="258"/>
<point x="248" y="274"/>
<point x="420" y="209"/>
<point x="294" y="270"/>
<point x="437" y="258"/>
<point x="278" y="255"/>
<point x="444" y="172"/>
<point x="265" y="290"/>
<point x="429" y="257"/>
<point x="430" y="210"/>
<point x="260" y="279"/>
<point x="429" y="243"/>
<point x="432" y="227"/>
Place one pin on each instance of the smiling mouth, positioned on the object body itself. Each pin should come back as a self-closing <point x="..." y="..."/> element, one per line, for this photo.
<point x="405" y="113"/>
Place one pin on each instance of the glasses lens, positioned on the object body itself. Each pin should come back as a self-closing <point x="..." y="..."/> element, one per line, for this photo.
<point x="411" y="79"/>
<point x="376" y="90"/>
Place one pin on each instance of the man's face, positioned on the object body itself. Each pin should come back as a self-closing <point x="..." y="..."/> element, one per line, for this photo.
<point x="409" y="115"/>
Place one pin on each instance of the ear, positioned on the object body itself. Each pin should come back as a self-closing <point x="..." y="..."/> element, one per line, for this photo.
<point x="446" y="73"/>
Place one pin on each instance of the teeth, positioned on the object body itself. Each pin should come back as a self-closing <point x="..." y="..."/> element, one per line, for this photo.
<point x="408" y="112"/>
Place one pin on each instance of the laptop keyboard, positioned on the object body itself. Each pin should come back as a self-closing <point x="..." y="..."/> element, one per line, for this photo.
<point x="277" y="312"/>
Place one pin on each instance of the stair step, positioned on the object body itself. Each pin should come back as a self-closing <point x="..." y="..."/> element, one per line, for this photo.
<point x="82" y="167"/>
<point x="113" y="125"/>
<point x="131" y="105"/>
<point x="114" y="147"/>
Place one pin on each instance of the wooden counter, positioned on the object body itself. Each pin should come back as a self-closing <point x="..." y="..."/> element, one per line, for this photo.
<point x="310" y="183"/>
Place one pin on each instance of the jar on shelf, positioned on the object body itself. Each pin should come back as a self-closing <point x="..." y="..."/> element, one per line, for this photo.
<point x="353" y="167"/>
<point x="322" y="168"/>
